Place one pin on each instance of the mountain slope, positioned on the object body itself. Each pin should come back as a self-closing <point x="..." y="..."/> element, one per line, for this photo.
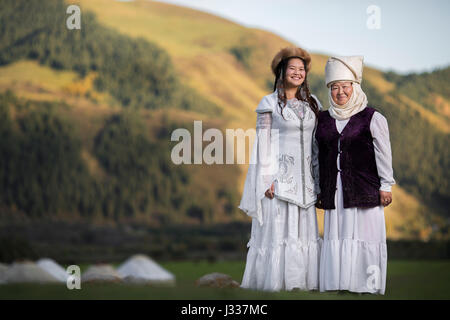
<point x="227" y="65"/>
<point x="203" y="48"/>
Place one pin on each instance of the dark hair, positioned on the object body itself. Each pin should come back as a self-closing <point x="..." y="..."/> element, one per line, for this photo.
<point x="280" y="74"/>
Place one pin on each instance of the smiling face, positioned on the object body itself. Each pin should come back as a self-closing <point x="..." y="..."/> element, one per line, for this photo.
<point x="341" y="91"/>
<point x="295" y="73"/>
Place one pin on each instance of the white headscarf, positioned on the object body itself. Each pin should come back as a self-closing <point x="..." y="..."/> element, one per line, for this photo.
<point x="346" y="69"/>
<point x="356" y="103"/>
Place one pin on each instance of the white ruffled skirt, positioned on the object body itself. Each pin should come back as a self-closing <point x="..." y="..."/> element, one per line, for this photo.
<point x="354" y="252"/>
<point x="284" y="252"/>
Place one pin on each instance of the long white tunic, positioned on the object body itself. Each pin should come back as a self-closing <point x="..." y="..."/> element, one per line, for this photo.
<point x="284" y="246"/>
<point x="354" y="253"/>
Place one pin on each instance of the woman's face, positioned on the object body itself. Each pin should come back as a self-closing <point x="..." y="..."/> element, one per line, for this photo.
<point x="295" y="73"/>
<point x="341" y="91"/>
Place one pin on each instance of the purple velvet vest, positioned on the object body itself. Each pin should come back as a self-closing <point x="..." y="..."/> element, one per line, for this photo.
<point x="359" y="175"/>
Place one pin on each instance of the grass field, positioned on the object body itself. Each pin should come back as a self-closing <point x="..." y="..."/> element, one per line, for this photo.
<point x="406" y="280"/>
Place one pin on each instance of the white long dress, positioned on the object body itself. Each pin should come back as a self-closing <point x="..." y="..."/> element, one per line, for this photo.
<point x="284" y="247"/>
<point x="354" y="252"/>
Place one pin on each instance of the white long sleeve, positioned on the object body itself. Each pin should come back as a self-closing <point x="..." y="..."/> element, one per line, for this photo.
<point x="260" y="174"/>
<point x="263" y="127"/>
<point x="315" y="163"/>
<point x="383" y="155"/>
<point x="315" y="153"/>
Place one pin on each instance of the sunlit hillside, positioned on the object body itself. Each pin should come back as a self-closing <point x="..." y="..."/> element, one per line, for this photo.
<point x="228" y="66"/>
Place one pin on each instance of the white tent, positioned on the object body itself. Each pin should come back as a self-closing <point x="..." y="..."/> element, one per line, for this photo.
<point x="141" y="269"/>
<point x="100" y="273"/>
<point x="21" y="272"/>
<point x="53" y="268"/>
<point x="3" y="268"/>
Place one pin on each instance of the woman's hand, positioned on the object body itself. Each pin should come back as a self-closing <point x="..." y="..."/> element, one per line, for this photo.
<point x="319" y="202"/>
<point x="270" y="192"/>
<point x="385" y="198"/>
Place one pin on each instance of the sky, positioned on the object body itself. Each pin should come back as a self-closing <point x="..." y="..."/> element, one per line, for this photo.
<point x="411" y="36"/>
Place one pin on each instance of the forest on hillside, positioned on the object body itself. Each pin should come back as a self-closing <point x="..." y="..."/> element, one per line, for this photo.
<point x="420" y="153"/>
<point x="44" y="171"/>
<point x="135" y="72"/>
<point x="419" y="86"/>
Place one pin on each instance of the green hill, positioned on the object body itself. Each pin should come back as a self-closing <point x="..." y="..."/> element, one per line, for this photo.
<point x="87" y="129"/>
<point x="428" y="89"/>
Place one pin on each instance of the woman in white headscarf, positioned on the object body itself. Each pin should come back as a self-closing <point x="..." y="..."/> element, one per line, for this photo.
<point x="281" y="189"/>
<point x="355" y="181"/>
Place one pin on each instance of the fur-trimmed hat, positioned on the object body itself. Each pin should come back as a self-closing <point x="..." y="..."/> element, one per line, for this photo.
<point x="291" y="52"/>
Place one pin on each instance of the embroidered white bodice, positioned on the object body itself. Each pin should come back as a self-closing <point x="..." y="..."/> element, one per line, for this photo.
<point x="286" y="153"/>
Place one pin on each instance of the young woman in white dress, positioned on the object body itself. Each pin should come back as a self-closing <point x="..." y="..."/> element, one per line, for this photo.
<point x="281" y="186"/>
<point x="355" y="180"/>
